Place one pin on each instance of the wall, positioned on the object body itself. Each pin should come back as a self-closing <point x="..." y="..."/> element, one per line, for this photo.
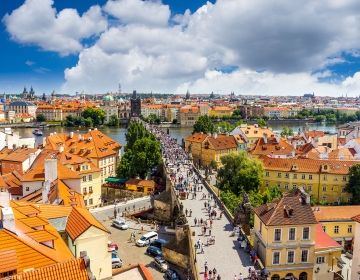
<point x="94" y="242"/>
<point x="95" y="183"/>
<point x="33" y="186"/>
<point x="355" y="268"/>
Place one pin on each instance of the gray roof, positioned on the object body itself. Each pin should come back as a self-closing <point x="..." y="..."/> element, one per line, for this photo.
<point x="21" y="103"/>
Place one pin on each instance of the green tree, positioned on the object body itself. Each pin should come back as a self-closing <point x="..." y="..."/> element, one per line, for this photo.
<point x="135" y="131"/>
<point x="230" y="200"/>
<point x="237" y="112"/>
<point x="353" y="186"/>
<point x="69" y="121"/>
<point x="240" y="172"/>
<point x="286" y="131"/>
<point x="96" y="114"/>
<point x="113" y="121"/>
<point x="204" y="124"/>
<point x="40" y="118"/>
<point x="225" y="127"/>
<point x="261" y="122"/>
<point x="88" y="122"/>
<point x="213" y="165"/>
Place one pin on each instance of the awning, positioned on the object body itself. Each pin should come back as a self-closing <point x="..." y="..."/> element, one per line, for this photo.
<point x="115" y="180"/>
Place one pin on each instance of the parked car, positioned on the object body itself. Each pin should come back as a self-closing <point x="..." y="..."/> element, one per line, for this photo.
<point x="112" y="246"/>
<point x="147" y="238"/>
<point x="154" y="251"/>
<point x="161" y="264"/>
<point x="120" y="223"/>
<point x="115" y="260"/>
<point x="158" y="243"/>
<point x="171" y="275"/>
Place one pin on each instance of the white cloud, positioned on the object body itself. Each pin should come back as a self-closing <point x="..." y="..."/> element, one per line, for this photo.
<point x="276" y="45"/>
<point x="37" y="22"/>
<point x="149" y="13"/>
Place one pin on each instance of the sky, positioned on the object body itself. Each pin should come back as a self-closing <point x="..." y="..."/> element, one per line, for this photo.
<point x="259" y="47"/>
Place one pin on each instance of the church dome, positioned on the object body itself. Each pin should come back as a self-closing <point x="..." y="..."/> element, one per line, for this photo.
<point x="108" y="98"/>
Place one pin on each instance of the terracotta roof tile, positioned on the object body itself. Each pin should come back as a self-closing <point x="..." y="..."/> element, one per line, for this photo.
<point x="8" y="260"/>
<point x="273" y="214"/>
<point x="336" y="213"/>
<point x="41" y="235"/>
<point x="79" y="221"/>
<point x="323" y="240"/>
<point x="70" y="270"/>
<point x="34" y="222"/>
<point x="272" y="146"/>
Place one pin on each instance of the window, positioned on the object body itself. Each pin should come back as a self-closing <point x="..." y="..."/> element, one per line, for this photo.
<point x="267" y="183"/>
<point x="277" y="235"/>
<point x="320" y="260"/>
<point x="303" y="176"/>
<point x="279" y="175"/>
<point x="84" y="178"/>
<point x="306" y="233"/>
<point x="343" y="190"/>
<point x="294" y="176"/>
<point x="324" y="177"/>
<point x="324" y="188"/>
<point x="294" y="186"/>
<point x="344" y="178"/>
<point x="310" y="177"/>
<point x="90" y="201"/>
<point x="309" y="188"/>
<point x="90" y="190"/>
<point x="84" y="190"/>
<point x="304" y="255"/>
<point x="290" y="257"/>
<point x="291" y="233"/>
<point x="267" y="174"/>
<point x="286" y="187"/>
<point x="85" y="201"/>
<point x="90" y="177"/>
<point x="27" y="189"/>
<point x="324" y="228"/>
<point x="287" y="175"/>
<point x="336" y="229"/>
<point x="276" y="257"/>
<point x="349" y="228"/>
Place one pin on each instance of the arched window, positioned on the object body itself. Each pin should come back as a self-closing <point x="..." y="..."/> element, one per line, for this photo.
<point x="303" y="276"/>
<point x="275" y="277"/>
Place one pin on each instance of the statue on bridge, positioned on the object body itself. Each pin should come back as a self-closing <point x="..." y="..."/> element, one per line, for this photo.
<point x="242" y="214"/>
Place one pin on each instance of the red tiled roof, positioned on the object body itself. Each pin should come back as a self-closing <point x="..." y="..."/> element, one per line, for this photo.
<point x="274" y="213"/>
<point x="323" y="240"/>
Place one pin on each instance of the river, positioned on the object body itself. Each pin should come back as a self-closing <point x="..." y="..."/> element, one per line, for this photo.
<point x="118" y="134"/>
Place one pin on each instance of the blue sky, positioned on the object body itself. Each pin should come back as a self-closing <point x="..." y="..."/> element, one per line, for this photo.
<point x="242" y="46"/>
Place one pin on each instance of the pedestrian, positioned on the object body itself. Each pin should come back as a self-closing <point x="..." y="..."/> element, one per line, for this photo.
<point x="190" y="212"/>
<point x="201" y="221"/>
<point x="195" y="221"/>
<point x="240" y="276"/>
<point x="214" y="271"/>
<point x="210" y="232"/>
<point x="210" y="274"/>
<point x="186" y="212"/>
<point x="211" y="222"/>
<point x="202" y="250"/>
<point x="218" y="277"/>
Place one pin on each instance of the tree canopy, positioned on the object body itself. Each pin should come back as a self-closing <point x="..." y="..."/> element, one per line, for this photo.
<point x="113" y="121"/>
<point x="142" y="153"/>
<point x="40" y="118"/>
<point x="97" y="115"/>
<point x="204" y="124"/>
<point x="240" y="172"/>
<point x="353" y="186"/>
<point x="287" y="131"/>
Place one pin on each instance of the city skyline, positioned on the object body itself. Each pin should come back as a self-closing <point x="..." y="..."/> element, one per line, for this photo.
<point x="249" y="47"/>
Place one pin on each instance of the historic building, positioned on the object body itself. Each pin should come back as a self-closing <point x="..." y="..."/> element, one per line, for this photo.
<point x="135" y="104"/>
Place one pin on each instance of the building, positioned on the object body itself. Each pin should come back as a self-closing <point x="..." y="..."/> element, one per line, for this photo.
<point x="349" y="131"/>
<point x="103" y="151"/>
<point x="284" y="236"/>
<point x="153" y="109"/>
<point x="134" y="272"/>
<point x="220" y="111"/>
<point x="324" y="180"/>
<point x="274" y="147"/>
<point x="138" y="185"/>
<point x="252" y="111"/>
<point x="337" y="222"/>
<point x="189" y="115"/>
<point x="207" y="148"/>
<point x="355" y="268"/>
<point x="135" y="104"/>
<point x="18" y="160"/>
<point x="251" y="133"/>
<point x="22" y="107"/>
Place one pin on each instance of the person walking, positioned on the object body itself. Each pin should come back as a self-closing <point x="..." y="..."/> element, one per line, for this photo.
<point x="190" y="212"/>
<point x="186" y="212"/>
<point x="195" y="221"/>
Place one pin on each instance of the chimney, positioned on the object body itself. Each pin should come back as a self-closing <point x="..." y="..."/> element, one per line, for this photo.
<point x="51" y="170"/>
<point x="61" y="149"/>
<point x="215" y="135"/>
<point x="71" y="134"/>
<point x="95" y="128"/>
<point x="90" y="130"/>
<point x="265" y="138"/>
<point x="45" y="192"/>
<point x="8" y="220"/>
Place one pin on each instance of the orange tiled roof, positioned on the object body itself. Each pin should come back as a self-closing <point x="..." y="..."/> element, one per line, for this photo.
<point x="222" y="142"/>
<point x="314" y="133"/>
<point x="19" y="155"/>
<point x="324" y="241"/>
<point x="273" y="146"/>
<point x="70" y="270"/>
<point x="8" y="260"/>
<point x="307" y="165"/>
<point x="41" y="235"/>
<point x="81" y="220"/>
<point x="196" y="137"/>
<point x="252" y="131"/>
<point x="336" y="213"/>
<point x="274" y="213"/>
<point x="34" y="222"/>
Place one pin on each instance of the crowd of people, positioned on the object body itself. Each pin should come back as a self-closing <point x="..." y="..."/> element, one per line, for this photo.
<point x="188" y="185"/>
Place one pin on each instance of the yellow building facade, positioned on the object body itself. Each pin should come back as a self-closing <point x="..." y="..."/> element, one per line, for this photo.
<point x="324" y="180"/>
<point x="284" y="237"/>
<point x="138" y="185"/>
<point x="220" y="111"/>
<point x="207" y="148"/>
